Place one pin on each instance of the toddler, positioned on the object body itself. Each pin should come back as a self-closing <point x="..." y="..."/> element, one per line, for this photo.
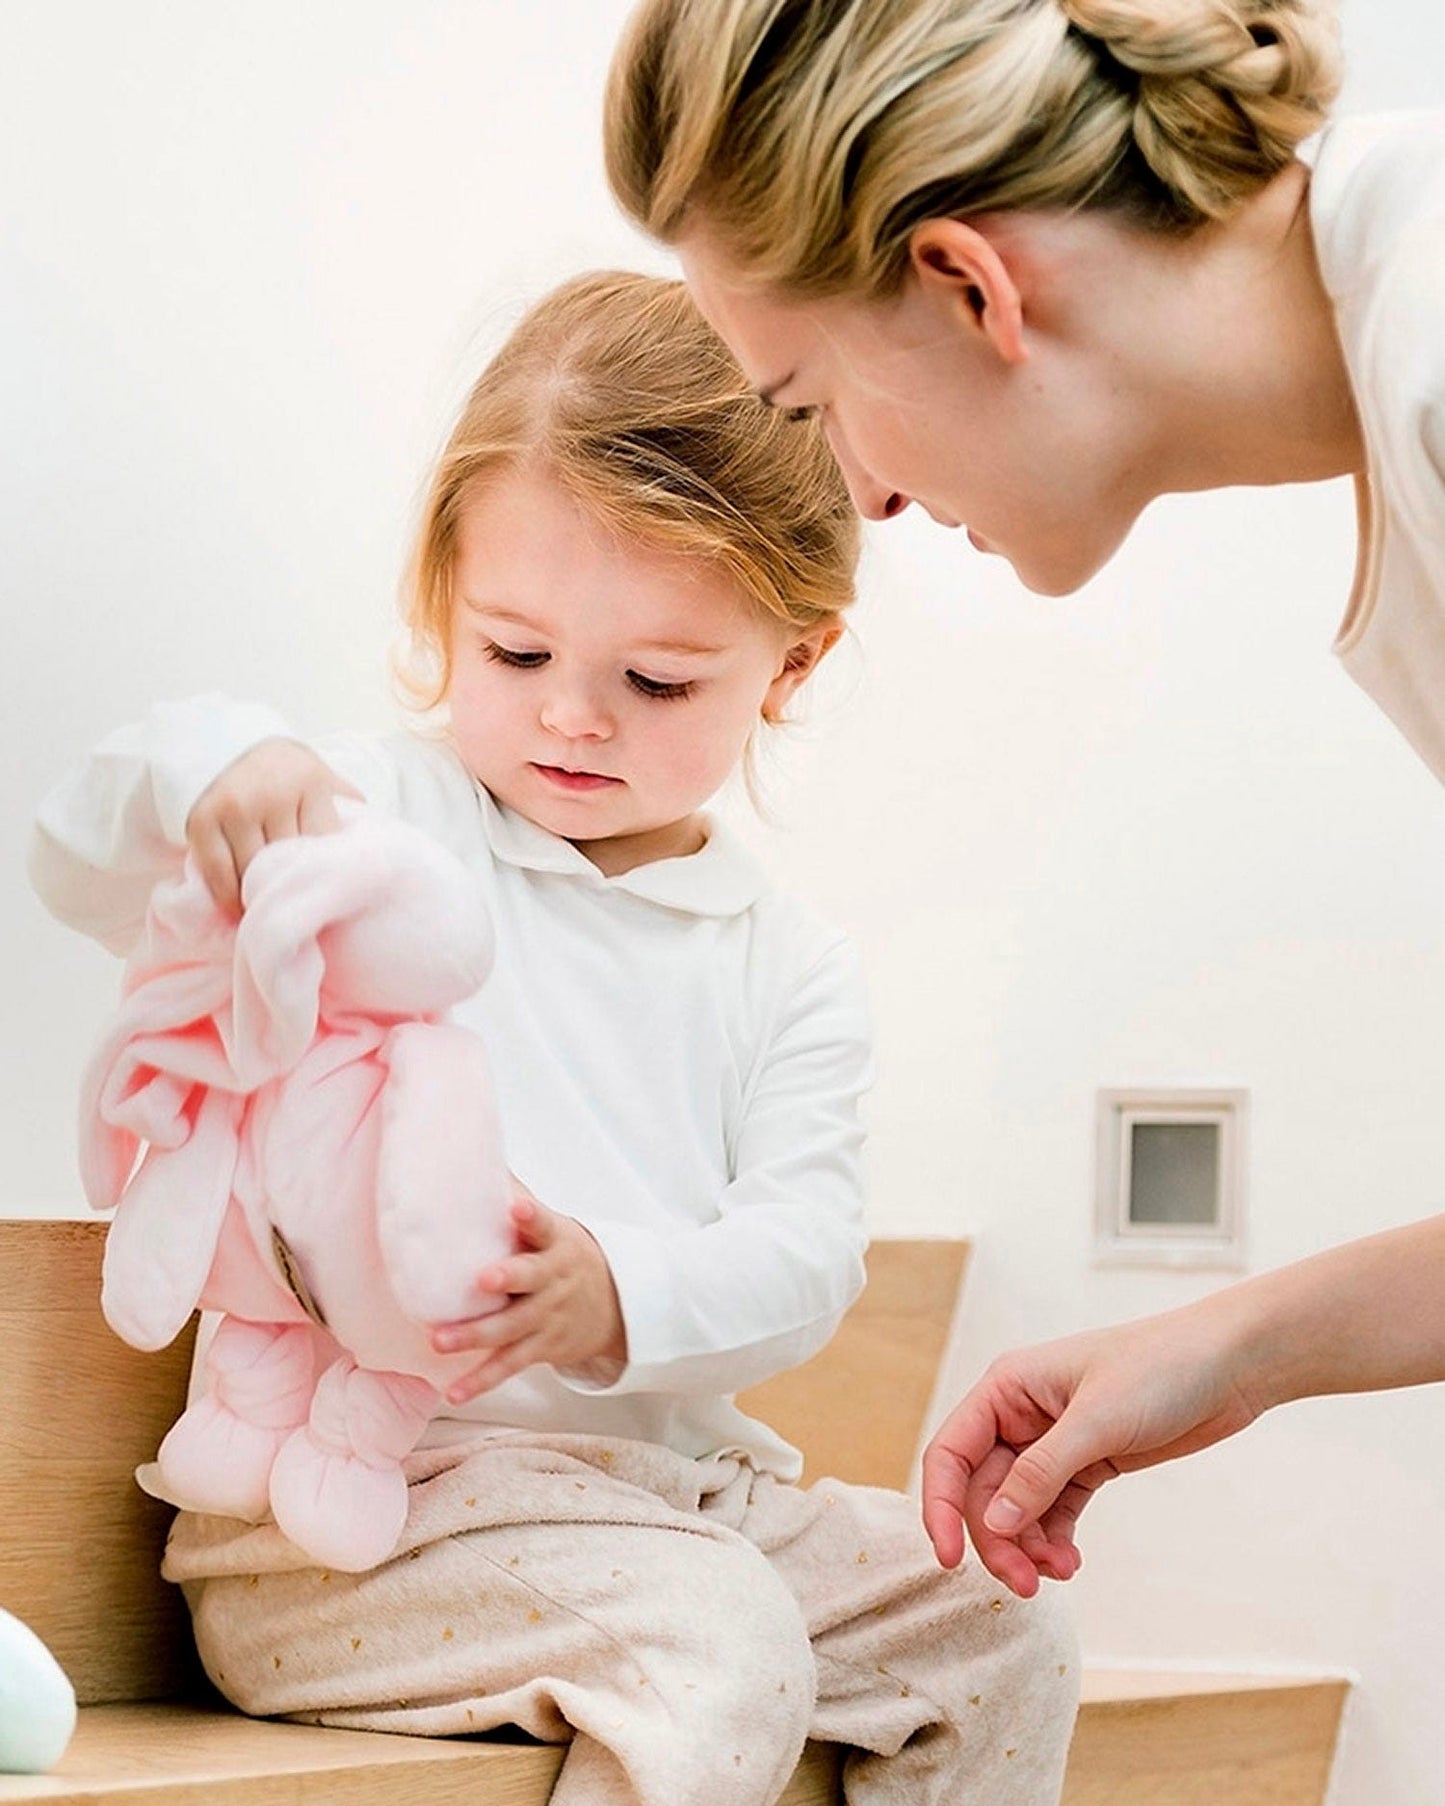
<point x="626" y="561"/>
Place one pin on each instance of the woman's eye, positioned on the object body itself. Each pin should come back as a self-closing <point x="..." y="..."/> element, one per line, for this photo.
<point x="521" y="661"/>
<point x="653" y="686"/>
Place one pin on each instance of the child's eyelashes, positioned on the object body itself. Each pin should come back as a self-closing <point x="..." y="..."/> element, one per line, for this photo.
<point x="656" y="688"/>
<point x="521" y="661"/>
<point x="797" y="415"/>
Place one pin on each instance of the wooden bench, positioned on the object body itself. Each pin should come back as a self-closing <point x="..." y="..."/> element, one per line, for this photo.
<point x="80" y="1553"/>
<point x="79" y="1561"/>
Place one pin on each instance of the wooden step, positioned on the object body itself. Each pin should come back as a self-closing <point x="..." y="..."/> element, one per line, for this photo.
<point x="1164" y="1739"/>
<point x="1142" y="1740"/>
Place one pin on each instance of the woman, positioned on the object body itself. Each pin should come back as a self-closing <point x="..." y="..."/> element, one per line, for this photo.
<point x="1035" y="263"/>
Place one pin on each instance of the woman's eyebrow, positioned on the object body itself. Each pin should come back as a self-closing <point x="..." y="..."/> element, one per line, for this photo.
<point x="768" y="394"/>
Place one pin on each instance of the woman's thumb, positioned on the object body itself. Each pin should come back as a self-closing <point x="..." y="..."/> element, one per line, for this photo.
<point x="1037" y="1477"/>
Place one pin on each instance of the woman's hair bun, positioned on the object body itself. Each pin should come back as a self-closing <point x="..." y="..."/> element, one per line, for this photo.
<point x="1223" y="90"/>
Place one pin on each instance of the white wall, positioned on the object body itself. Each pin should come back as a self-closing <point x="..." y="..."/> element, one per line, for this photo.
<point x="251" y="255"/>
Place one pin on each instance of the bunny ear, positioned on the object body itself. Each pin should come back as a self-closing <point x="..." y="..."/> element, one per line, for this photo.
<point x="158" y="1250"/>
<point x="442" y="1186"/>
<point x="137" y="1082"/>
<point x="294" y="890"/>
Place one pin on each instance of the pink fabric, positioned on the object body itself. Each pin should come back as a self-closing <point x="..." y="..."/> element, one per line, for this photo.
<point x="288" y="1075"/>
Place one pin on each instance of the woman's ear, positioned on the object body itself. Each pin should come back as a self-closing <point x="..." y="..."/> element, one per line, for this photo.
<point x="959" y="266"/>
<point x="801" y="658"/>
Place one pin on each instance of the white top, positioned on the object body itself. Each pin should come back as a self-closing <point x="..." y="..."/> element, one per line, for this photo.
<point x="679" y="1054"/>
<point x="1377" y="205"/>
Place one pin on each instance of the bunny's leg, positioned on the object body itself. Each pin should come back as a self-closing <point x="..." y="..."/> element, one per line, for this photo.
<point x="259" y="1381"/>
<point x="337" y="1487"/>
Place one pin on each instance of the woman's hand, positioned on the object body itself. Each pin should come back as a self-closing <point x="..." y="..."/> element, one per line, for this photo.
<point x="277" y="789"/>
<point x="1020" y="1457"/>
<point x="562" y="1307"/>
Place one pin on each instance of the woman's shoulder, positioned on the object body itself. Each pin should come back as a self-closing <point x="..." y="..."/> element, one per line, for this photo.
<point x="1377" y="179"/>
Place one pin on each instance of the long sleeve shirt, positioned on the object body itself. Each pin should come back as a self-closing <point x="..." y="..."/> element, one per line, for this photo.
<point x="679" y="1054"/>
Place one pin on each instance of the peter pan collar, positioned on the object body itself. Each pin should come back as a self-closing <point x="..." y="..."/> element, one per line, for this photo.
<point x="721" y="879"/>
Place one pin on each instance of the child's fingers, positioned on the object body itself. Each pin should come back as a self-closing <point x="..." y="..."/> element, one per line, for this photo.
<point x="496" y="1331"/>
<point x="316" y="813"/>
<point x="536" y="1226"/>
<point x="217" y="865"/>
<point x="500" y="1366"/>
<point x="245" y="837"/>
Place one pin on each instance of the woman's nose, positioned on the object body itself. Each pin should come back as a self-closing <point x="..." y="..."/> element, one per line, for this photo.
<point x="872" y="499"/>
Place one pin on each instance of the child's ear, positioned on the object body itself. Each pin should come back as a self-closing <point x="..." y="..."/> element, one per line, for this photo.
<point x="801" y="658"/>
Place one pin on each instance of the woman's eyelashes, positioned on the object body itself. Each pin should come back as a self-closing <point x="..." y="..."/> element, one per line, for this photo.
<point x="656" y="688"/>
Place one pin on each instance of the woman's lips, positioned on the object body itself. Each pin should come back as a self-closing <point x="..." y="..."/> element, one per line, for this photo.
<point x="575" y="780"/>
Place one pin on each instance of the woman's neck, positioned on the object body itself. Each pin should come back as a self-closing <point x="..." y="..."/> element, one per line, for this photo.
<point x="1249" y="381"/>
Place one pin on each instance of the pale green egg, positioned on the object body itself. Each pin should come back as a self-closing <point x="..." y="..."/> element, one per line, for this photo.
<point x="37" y="1702"/>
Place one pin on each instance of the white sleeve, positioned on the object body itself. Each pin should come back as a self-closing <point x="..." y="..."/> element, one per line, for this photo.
<point x="722" y="1307"/>
<point x="105" y="836"/>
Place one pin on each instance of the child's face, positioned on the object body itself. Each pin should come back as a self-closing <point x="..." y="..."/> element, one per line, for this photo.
<point x="604" y="690"/>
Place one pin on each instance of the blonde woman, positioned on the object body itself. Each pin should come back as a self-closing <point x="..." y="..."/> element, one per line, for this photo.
<point x="1033" y="263"/>
<point x="626" y="566"/>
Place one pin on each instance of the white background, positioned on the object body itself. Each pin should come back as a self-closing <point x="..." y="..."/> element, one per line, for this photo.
<point x="1151" y="835"/>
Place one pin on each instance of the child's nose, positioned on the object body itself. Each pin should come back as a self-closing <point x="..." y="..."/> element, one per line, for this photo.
<point x="573" y="710"/>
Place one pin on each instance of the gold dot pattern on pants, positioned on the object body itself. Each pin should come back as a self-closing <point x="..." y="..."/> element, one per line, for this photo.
<point x="447" y="1634"/>
<point x="275" y="1661"/>
<point x="324" y="1579"/>
<point x="995" y="1605"/>
<point x="975" y="1699"/>
<point x="534" y="1616"/>
<point x="356" y="1642"/>
<point x="1010" y="1754"/>
<point x="253" y="1580"/>
<point x="471" y="1504"/>
<point x="862" y="1557"/>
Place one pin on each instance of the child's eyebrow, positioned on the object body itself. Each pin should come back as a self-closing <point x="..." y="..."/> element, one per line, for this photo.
<point x="496" y="613"/>
<point x="684" y="648"/>
<point x="697" y="647"/>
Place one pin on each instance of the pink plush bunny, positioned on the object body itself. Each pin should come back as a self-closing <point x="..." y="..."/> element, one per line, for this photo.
<point x="322" y="1163"/>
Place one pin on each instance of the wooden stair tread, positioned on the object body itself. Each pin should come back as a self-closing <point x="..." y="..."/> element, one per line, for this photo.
<point x="181" y="1755"/>
<point x="1143" y="1737"/>
<point x="1106" y="1686"/>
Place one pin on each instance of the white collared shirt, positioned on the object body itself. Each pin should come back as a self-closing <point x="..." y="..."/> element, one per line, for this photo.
<point x="679" y="1054"/>
<point x="1377" y="208"/>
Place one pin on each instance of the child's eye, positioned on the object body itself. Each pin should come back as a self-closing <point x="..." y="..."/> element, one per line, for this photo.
<point x="521" y="661"/>
<point x="653" y="686"/>
<point x="797" y="415"/>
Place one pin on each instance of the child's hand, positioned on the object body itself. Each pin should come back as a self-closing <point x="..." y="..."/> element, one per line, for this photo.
<point x="277" y="789"/>
<point x="562" y="1307"/>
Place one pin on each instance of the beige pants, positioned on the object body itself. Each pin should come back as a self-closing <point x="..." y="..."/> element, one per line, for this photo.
<point x="686" y="1624"/>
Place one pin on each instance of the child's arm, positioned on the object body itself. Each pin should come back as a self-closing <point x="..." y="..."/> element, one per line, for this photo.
<point x="721" y="1307"/>
<point x="105" y="836"/>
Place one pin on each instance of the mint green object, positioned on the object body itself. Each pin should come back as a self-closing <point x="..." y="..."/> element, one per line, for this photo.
<point x="37" y="1702"/>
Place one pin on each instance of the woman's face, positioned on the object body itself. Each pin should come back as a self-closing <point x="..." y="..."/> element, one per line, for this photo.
<point x="1034" y="456"/>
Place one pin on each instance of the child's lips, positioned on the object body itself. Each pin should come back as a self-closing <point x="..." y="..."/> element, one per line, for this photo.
<point x="575" y="780"/>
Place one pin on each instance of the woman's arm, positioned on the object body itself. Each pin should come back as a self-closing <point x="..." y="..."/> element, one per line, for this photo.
<point x="1024" y="1452"/>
